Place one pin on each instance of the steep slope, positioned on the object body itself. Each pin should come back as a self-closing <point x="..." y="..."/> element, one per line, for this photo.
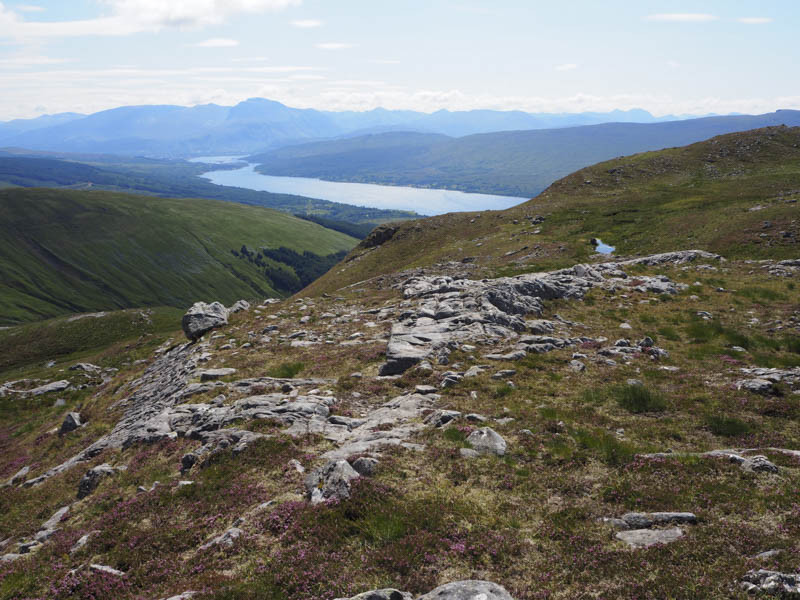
<point x="513" y="163"/>
<point x="65" y="251"/>
<point x="736" y="195"/>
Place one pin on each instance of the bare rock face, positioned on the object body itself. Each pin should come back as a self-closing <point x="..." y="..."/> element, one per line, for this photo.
<point x="202" y="318"/>
<point x="468" y="590"/>
<point x="331" y="482"/>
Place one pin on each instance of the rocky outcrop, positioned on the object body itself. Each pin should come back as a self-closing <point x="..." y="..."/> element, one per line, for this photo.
<point x="487" y="441"/>
<point x="771" y="583"/>
<point x="458" y="590"/>
<point x="202" y="318"/>
<point x="450" y="312"/>
<point x="92" y="479"/>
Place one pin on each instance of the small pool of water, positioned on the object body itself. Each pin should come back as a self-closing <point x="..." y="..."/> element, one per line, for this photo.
<point x="602" y="247"/>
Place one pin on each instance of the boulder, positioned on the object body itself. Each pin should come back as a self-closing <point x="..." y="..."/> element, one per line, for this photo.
<point x="487" y="441"/>
<point x="239" y="306"/>
<point x="759" y="464"/>
<point x="71" y="422"/>
<point x="772" y="583"/>
<point x="214" y="374"/>
<point x="468" y="590"/>
<point x="202" y="318"/>
<point x="365" y="466"/>
<point x="92" y="479"/>
<point x="385" y="594"/>
<point x="331" y="482"/>
<point x="225" y="540"/>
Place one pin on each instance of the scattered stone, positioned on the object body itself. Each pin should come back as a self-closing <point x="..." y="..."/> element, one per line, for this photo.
<point x="55" y="386"/>
<point x="759" y="464"/>
<point x="644" y="538"/>
<point x="19" y="476"/>
<point x="225" y="540"/>
<point x="106" y="570"/>
<point x="239" y="306"/>
<point x="81" y="542"/>
<point x="757" y="386"/>
<point x="71" y="422"/>
<point x="202" y="318"/>
<point x="425" y="389"/>
<point x="385" y="594"/>
<point x="365" y="466"/>
<point x="577" y="366"/>
<point x="331" y="482"/>
<point x="487" y="441"/>
<point x="440" y="418"/>
<point x="92" y="479"/>
<point x="772" y="583"/>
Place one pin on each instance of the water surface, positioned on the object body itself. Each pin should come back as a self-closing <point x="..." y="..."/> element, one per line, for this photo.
<point x="421" y="200"/>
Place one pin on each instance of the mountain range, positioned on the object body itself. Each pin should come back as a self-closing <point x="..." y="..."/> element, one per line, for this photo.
<point x="259" y="124"/>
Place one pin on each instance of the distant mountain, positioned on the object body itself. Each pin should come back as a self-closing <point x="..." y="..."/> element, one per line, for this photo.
<point x="18" y="126"/>
<point x="515" y="163"/>
<point x="258" y="124"/>
<point x="64" y="251"/>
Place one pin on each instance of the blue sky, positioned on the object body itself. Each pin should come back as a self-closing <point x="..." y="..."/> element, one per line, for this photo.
<point x="569" y="56"/>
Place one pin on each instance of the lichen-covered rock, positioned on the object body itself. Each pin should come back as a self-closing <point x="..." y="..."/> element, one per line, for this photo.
<point x="331" y="482"/>
<point x="385" y="594"/>
<point x="468" y="590"/>
<point x="773" y="583"/>
<point x="487" y="441"/>
<point x="644" y="538"/>
<point x="759" y="464"/>
<point x="202" y="318"/>
<point x="92" y="479"/>
<point x="239" y="306"/>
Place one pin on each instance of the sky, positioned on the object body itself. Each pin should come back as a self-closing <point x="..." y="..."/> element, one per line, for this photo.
<point x="668" y="57"/>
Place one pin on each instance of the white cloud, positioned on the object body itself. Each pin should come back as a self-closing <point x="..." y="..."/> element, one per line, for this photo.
<point x="334" y="45"/>
<point x="127" y="17"/>
<point x="383" y="61"/>
<point x="217" y="43"/>
<point x="673" y="64"/>
<point x="306" y="23"/>
<point x="567" y="67"/>
<point x="29" y="8"/>
<point x="682" y="17"/>
<point x="31" y="61"/>
<point x="755" y="20"/>
<point x="250" y="59"/>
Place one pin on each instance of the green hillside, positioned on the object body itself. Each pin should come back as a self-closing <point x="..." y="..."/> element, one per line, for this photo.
<point x="513" y="163"/>
<point x="68" y="251"/>
<point x="735" y="194"/>
<point x="172" y="179"/>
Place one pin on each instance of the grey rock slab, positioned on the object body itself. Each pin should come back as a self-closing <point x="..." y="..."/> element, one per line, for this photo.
<point x="106" y="570"/>
<point x="487" y="441"/>
<point x="202" y="318"/>
<point x="19" y="476"/>
<point x="57" y="517"/>
<point x="385" y="594"/>
<point x="55" y="386"/>
<point x="214" y="374"/>
<point x="756" y="386"/>
<point x="225" y="539"/>
<point x="239" y="306"/>
<point x="331" y="482"/>
<point x="468" y="590"/>
<point x="644" y="538"/>
<point x="759" y="464"/>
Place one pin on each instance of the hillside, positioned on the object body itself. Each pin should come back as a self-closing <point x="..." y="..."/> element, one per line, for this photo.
<point x="459" y="418"/>
<point x="68" y="251"/>
<point x="736" y="195"/>
<point x="513" y="163"/>
<point x="173" y="179"/>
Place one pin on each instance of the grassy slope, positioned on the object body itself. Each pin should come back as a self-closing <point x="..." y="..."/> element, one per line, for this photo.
<point x="173" y="179"/>
<point x="514" y="163"/>
<point x="698" y="196"/>
<point x="65" y="251"/>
